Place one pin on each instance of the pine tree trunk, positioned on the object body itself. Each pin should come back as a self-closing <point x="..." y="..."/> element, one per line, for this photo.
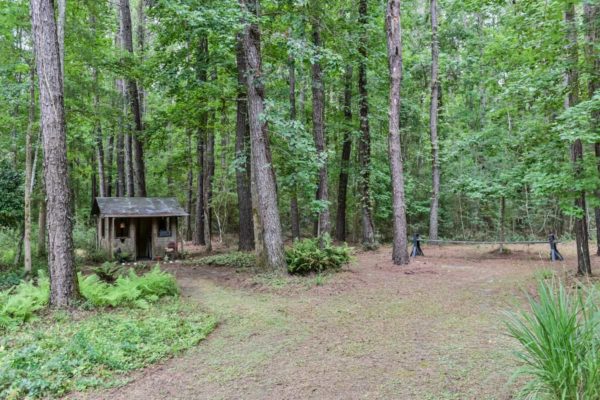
<point x="318" y="92"/>
<point x="137" y="147"/>
<point x="64" y="290"/>
<point x="394" y="47"/>
<point x="109" y="165"/>
<point x="572" y="81"/>
<point x="340" y="225"/>
<point x="294" y="209"/>
<point x="264" y="176"/>
<point x="129" y="184"/>
<point x="242" y="155"/>
<point x="592" y="34"/>
<point x="202" y="74"/>
<point x="98" y="134"/>
<point x="364" y="144"/>
<point x="209" y="172"/>
<point x="29" y="174"/>
<point x="42" y="236"/>
<point x="190" y="190"/>
<point x="433" y="125"/>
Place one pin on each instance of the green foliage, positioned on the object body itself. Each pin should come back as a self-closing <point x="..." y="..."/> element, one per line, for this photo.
<point x="316" y="255"/>
<point x="560" y="344"/>
<point x="235" y="259"/>
<point x="54" y="356"/>
<point x="108" y="272"/>
<point x="130" y="290"/>
<point x="11" y="195"/>
<point x="9" y="278"/>
<point x="20" y="303"/>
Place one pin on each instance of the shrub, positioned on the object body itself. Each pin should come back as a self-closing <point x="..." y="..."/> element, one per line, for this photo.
<point x="9" y="278"/>
<point x="235" y="259"/>
<point x="560" y="344"/>
<point x="60" y="354"/>
<point x="310" y="255"/>
<point x="129" y="290"/>
<point x="108" y="272"/>
<point x="20" y="303"/>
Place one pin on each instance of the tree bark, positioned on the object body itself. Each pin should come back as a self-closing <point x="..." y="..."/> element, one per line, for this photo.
<point x="64" y="290"/>
<point x="134" y="99"/>
<point x="60" y="31"/>
<point x="202" y="74"/>
<point x="29" y="173"/>
<point x="592" y="24"/>
<point x="42" y="236"/>
<point x="242" y="155"/>
<point x="394" y="48"/>
<point x="364" y="144"/>
<point x="109" y="165"/>
<point x="433" y="125"/>
<point x="294" y="209"/>
<point x="190" y="190"/>
<point x="572" y="80"/>
<point x="318" y="92"/>
<point x="209" y="172"/>
<point x="340" y="225"/>
<point x="129" y="180"/>
<point x="98" y="134"/>
<point x="264" y="175"/>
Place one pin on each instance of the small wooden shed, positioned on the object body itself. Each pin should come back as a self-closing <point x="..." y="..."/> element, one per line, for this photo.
<point x="141" y="228"/>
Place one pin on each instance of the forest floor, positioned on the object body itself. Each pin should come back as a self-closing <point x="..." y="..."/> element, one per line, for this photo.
<point x="430" y="330"/>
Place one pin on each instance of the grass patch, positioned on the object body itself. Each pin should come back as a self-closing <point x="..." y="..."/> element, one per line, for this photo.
<point x="560" y="343"/>
<point x="59" y="353"/>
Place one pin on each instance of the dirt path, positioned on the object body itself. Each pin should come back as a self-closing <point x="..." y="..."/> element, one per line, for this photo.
<point x="432" y="330"/>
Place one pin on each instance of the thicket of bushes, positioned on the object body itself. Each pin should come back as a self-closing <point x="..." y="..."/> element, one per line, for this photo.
<point x="560" y="343"/>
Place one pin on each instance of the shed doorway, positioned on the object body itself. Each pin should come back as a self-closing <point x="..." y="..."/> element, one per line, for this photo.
<point x="143" y="239"/>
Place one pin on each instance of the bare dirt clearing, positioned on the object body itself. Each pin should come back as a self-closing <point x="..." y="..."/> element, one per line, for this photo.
<point x="430" y="330"/>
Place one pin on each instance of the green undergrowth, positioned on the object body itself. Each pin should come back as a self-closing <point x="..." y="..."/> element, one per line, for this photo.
<point x="60" y="353"/>
<point x="316" y="256"/>
<point x="21" y="303"/>
<point x="236" y="259"/>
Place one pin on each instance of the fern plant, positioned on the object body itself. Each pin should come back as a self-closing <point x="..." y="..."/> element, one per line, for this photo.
<point x="316" y="255"/>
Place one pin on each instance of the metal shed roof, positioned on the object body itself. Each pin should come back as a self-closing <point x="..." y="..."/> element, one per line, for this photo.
<point x="137" y="207"/>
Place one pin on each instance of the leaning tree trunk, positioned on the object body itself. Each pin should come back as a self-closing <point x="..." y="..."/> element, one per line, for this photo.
<point x="262" y="167"/>
<point x="394" y="48"/>
<point x="64" y="290"/>
<point x="318" y="92"/>
<point x="364" y="144"/>
<point x="433" y="125"/>
<point x="572" y="80"/>
<point x="134" y="100"/>
<point x="242" y="155"/>
<point x="340" y="222"/>
<point x="592" y="23"/>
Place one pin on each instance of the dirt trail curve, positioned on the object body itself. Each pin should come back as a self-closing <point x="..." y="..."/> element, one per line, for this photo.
<point x="431" y="330"/>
